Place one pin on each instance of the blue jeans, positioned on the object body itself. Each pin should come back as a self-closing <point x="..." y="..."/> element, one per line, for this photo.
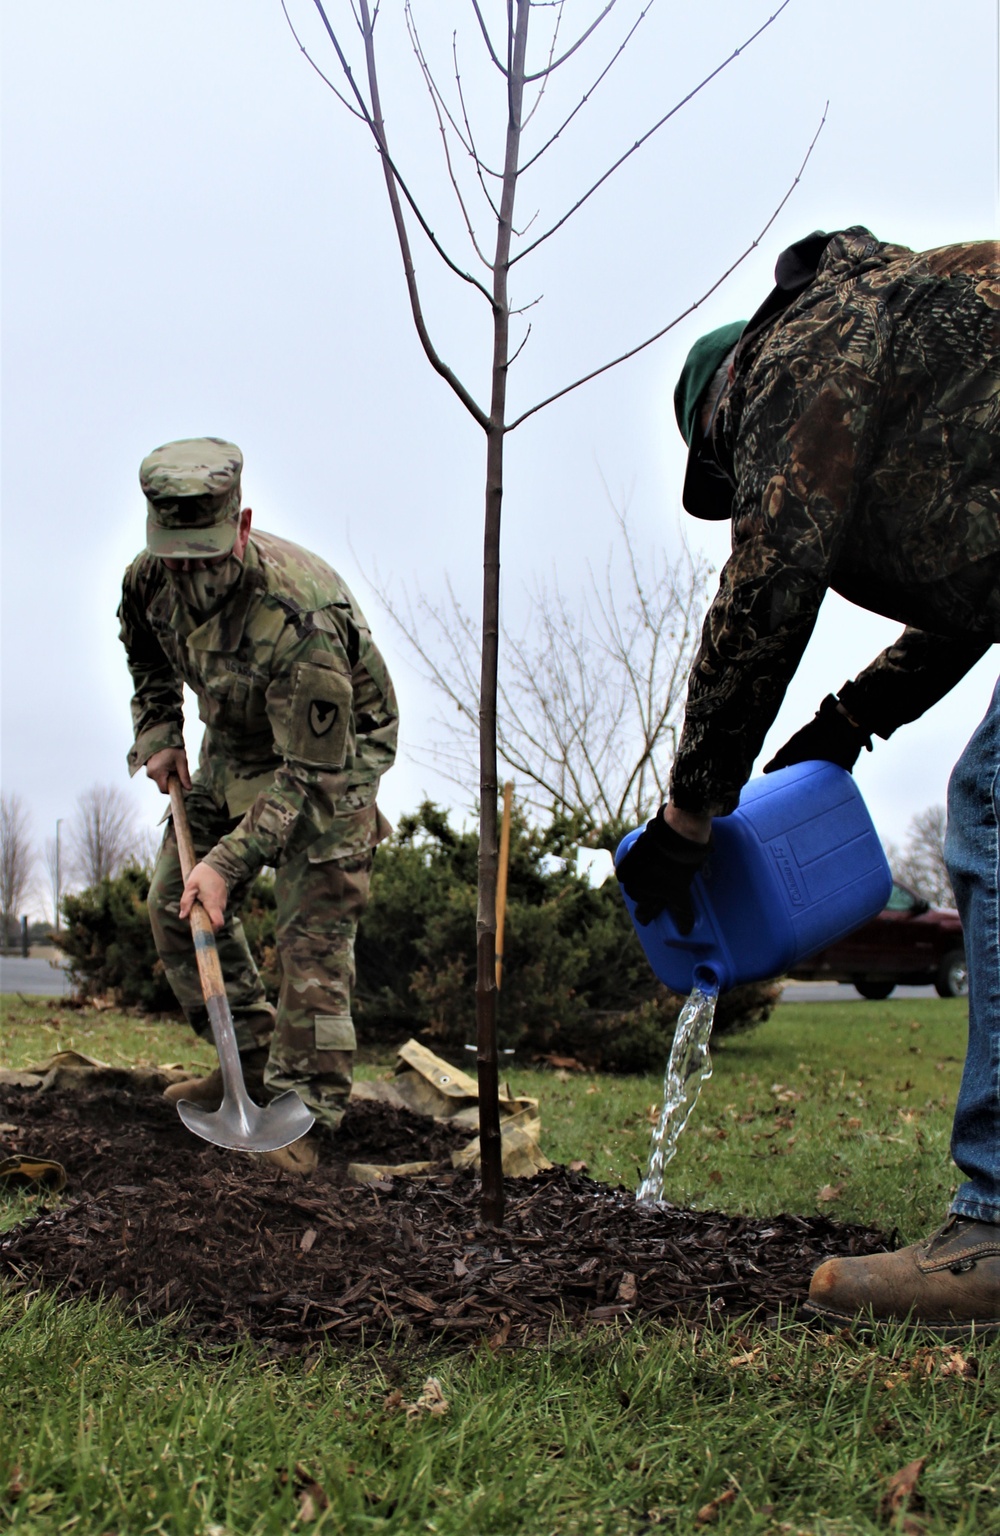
<point x="972" y="853"/>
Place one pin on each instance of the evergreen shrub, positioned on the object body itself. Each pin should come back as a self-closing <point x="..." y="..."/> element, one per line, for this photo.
<point x="109" y="942"/>
<point x="575" y="981"/>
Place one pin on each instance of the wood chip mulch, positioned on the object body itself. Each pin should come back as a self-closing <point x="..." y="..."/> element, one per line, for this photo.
<point x="167" y="1224"/>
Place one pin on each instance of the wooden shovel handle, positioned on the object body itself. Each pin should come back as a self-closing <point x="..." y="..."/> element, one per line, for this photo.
<point x="206" y="953"/>
<point x="182" y="830"/>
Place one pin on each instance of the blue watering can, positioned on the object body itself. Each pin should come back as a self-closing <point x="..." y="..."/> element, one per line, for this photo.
<point x="796" y="866"/>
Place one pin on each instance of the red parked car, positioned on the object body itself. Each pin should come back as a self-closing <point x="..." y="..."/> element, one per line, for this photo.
<point x="910" y="943"/>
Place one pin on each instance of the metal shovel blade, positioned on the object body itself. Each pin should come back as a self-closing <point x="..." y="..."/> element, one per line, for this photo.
<point x="245" y="1126"/>
<point x="238" y="1122"/>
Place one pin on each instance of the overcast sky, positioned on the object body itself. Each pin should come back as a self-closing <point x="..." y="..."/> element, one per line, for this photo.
<point x="197" y="241"/>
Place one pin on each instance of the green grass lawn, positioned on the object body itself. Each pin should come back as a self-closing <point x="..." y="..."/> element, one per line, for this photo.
<point x="843" y="1108"/>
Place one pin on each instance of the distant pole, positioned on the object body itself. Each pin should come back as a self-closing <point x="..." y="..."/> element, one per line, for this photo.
<point x="24" y="938"/>
<point x="508" y="796"/>
<point x="59" y="822"/>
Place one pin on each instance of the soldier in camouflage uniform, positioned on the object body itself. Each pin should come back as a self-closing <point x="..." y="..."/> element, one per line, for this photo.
<point x="300" y="724"/>
<point x="851" y="432"/>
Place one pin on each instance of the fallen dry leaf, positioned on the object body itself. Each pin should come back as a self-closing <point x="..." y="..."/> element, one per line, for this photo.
<point x="307" y="1239"/>
<point x="393" y="1401"/>
<point x="900" y="1496"/>
<point x="710" y="1511"/>
<point x="496" y="1341"/>
<point x="746" y="1358"/>
<point x="830" y="1192"/>
<point x="312" y="1498"/>
<point x="431" y="1400"/>
<point x="955" y="1364"/>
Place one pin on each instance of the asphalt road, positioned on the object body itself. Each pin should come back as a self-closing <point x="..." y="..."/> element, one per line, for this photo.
<point x="35" y="978"/>
<point x="840" y="992"/>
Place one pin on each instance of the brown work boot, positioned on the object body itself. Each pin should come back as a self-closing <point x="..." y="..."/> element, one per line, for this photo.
<point x="207" y="1091"/>
<point x="950" y="1282"/>
<point x="298" y="1157"/>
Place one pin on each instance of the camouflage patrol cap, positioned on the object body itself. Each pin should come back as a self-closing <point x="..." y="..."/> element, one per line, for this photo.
<point x="193" y="498"/>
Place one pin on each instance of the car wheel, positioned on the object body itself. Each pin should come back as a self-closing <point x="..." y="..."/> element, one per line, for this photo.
<point x="871" y="987"/>
<point x="952" y="979"/>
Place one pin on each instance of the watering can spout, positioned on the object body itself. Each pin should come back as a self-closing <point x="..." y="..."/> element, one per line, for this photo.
<point x="706" y="979"/>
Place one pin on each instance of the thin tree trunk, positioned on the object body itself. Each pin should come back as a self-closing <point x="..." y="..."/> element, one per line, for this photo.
<point x="487" y="1061"/>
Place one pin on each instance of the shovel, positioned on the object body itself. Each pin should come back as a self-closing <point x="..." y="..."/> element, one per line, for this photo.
<point x="238" y="1122"/>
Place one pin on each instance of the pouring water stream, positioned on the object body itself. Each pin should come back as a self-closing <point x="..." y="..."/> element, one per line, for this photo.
<point x="688" y="1066"/>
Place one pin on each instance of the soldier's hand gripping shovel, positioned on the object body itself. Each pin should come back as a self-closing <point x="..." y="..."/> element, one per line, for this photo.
<point x="238" y="1122"/>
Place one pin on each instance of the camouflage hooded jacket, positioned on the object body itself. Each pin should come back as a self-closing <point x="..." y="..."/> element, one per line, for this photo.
<point x="299" y="709"/>
<point x="861" y="434"/>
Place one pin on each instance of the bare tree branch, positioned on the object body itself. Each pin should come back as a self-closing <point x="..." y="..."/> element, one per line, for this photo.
<point x="373" y="118"/>
<point x="486" y="36"/>
<point x="482" y="169"/>
<point x="313" y="65"/>
<point x="549" y="68"/>
<point x="560" y="6"/>
<point x="438" y="105"/>
<point x="588" y="94"/>
<point x="642" y="345"/>
<point x="647" y="136"/>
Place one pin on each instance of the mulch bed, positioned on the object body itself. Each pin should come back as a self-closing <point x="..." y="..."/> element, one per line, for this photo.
<point x="165" y="1224"/>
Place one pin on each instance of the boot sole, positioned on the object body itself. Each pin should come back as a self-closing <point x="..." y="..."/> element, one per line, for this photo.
<point x="865" y="1322"/>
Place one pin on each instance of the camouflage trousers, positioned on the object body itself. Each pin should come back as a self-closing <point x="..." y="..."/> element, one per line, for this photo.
<point x="310" y="1037"/>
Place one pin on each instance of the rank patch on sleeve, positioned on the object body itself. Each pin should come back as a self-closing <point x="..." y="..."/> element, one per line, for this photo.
<point x="322" y="716"/>
<point x="320" y="712"/>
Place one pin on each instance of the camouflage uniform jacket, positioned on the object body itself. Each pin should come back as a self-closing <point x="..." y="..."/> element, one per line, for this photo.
<point x="861" y="437"/>
<point x="299" y="710"/>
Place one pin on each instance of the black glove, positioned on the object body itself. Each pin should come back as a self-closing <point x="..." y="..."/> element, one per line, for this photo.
<point x="831" y="736"/>
<point x="657" y="872"/>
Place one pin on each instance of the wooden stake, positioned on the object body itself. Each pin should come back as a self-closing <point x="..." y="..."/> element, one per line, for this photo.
<point x="508" y="798"/>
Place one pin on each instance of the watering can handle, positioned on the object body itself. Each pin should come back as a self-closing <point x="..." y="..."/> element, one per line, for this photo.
<point x="209" y="968"/>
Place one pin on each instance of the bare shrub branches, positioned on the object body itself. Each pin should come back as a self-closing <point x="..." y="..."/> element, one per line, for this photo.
<point x="920" y="862"/>
<point x="17" y="859"/>
<point x="591" y="688"/>
<point x="103" y="836"/>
